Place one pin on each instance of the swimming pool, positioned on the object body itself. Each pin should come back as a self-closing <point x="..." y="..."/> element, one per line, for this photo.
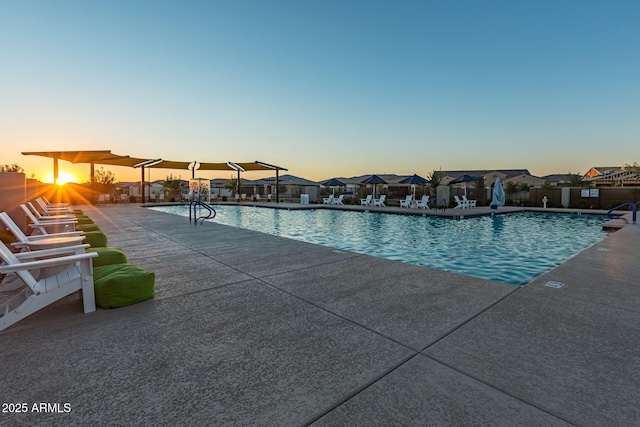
<point x="511" y="248"/>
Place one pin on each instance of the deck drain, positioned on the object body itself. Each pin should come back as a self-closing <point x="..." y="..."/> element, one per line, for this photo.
<point x="555" y="285"/>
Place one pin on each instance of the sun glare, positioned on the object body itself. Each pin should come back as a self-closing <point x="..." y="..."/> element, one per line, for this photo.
<point x="63" y="178"/>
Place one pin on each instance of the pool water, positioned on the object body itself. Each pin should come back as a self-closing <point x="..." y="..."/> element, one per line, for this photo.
<point x="510" y="248"/>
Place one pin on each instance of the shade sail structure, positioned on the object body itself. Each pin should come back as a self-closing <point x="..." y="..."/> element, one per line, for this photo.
<point x="75" y="156"/>
<point x="106" y="157"/>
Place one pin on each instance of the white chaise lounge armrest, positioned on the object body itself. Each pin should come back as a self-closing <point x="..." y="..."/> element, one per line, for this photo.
<point x="29" y="265"/>
<point x="52" y="235"/>
<point x="52" y="252"/>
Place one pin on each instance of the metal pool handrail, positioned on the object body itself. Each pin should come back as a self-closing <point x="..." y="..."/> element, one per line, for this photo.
<point x="193" y="214"/>
<point x="634" y="212"/>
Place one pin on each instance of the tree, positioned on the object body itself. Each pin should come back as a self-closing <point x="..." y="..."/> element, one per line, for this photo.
<point x="480" y="187"/>
<point x="104" y="181"/>
<point x="436" y="178"/>
<point x="575" y="180"/>
<point x="232" y="185"/>
<point x="512" y="188"/>
<point x="173" y="186"/>
<point x="11" y="168"/>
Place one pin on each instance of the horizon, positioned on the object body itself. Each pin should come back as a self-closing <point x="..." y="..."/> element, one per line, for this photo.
<point x="324" y="89"/>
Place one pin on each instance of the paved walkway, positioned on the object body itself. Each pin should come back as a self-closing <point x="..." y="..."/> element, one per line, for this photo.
<point x="251" y="329"/>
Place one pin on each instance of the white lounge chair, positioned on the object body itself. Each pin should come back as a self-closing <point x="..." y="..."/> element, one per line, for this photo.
<point x="380" y="201"/>
<point x="46" y="227"/>
<point x="48" y="217"/>
<point x="25" y="241"/>
<point x="53" y="210"/>
<point x="38" y="294"/>
<point x="460" y="204"/>
<point x="366" y="201"/>
<point x="423" y="203"/>
<point x="470" y="203"/>
<point x="338" y="201"/>
<point x="328" y="200"/>
<point x="53" y="205"/>
<point x="406" y="203"/>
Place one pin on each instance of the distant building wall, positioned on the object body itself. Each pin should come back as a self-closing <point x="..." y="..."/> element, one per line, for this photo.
<point x="14" y="193"/>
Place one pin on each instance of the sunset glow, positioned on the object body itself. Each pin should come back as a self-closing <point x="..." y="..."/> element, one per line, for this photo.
<point x="63" y="178"/>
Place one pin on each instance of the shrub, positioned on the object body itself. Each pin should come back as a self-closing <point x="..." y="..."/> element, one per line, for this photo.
<point x="614" y="204"/>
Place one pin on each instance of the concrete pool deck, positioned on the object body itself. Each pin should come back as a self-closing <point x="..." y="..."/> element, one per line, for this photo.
<point x="252" y="329"/>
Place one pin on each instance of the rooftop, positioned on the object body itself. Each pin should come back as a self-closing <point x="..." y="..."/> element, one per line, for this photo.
<point x="252" y="329"/>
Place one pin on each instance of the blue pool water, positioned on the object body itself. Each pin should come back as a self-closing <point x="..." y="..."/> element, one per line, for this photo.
<point x="510" y="248"/>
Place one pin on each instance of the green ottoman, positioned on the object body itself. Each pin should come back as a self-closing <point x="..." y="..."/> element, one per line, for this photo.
<point x="84" y="220"/>
<point x="95" y="239"/>
<point x="108" y="256"/>
<point x="87" y="227"/>
<point x="120" y="285"/>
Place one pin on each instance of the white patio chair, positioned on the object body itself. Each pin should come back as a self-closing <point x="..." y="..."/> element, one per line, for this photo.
<point x="470" y="203"/>
<point x="53" y="210"/>
<point x="366" y="201"/>
<point x="338" y="201"/>
<point x="24" y="241"/>
<point x="48" y="216"/>
<point x="460" y="204"/>
<point x="327" y="200"/>
<point x="423" y="203"/>
<point x="380" y="201"/>
<point x="53" y="205"/>
<point x="52" y="226"/>
<point x="406" y="202"/>
<point x="38" y="294"/>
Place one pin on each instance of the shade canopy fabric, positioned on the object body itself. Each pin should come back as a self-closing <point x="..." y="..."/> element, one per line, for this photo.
<point x="91" y="156"/>
<point x="334" y="182"/>
<point x="465" y="178"/>
<point x="498" y="197"/>
<point x="373" y="179"/>
<point x="415" y="180"/>
<point x="106" y="157"/>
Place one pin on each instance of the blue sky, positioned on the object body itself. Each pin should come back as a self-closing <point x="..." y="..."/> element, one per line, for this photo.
<point x="324" y="88"/>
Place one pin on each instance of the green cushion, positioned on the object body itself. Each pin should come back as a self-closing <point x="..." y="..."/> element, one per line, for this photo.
<point x="87" y="227"/>
<point x="95" y="239"/>
<point x="84" y="220"/>
<point x="108" y="256"/>
<point x="120" y="285"/>
<point x="77" y="211"/>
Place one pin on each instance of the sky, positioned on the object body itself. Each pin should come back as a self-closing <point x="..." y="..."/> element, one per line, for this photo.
<point x="323" y="88"/>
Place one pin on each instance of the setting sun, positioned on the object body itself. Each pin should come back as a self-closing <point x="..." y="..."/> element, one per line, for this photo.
<point x="63" y="178"/>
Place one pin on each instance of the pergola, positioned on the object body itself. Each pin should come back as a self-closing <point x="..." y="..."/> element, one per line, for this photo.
<point x="106" y="157"/>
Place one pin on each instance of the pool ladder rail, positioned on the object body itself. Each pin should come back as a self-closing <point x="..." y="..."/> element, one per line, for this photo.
<point x="634" y="212"/>
<point x="194" y="211"/>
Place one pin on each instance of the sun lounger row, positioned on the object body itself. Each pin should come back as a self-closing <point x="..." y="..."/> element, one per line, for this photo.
<point x="65" y="254"/>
